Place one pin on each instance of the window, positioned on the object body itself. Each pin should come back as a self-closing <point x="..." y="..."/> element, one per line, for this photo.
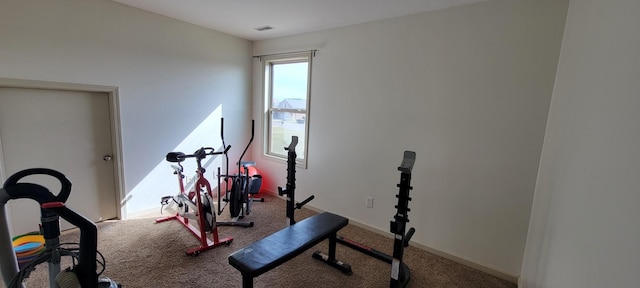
<point x="287" y="79"/>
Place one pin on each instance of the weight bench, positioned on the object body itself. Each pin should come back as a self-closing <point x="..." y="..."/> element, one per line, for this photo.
<point x="282" y="246"/>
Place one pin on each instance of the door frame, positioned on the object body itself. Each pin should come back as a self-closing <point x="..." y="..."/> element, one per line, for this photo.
<point x="114" y="114"/>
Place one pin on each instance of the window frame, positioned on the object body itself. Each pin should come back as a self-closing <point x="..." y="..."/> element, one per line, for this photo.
<point x="267" y="95"/>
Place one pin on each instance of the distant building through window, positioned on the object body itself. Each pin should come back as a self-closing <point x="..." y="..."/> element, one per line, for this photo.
<point x="288" y="104"/>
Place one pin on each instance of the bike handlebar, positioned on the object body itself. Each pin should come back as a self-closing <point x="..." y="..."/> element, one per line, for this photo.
<point x="199" y="154"/>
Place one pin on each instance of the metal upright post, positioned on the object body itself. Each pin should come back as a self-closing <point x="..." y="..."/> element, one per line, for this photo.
<point x="399" y="273"/>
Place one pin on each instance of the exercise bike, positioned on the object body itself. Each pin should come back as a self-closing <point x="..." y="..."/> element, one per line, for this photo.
<point x="244" y="186"/>
<point x="83" y="273"/>
<point x="196" y="204"/>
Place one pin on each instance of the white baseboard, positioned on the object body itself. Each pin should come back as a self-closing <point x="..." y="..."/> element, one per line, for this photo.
<point x="483" y="268"/>
<point x="491" y="271"/>
<point x="144" y="213"/>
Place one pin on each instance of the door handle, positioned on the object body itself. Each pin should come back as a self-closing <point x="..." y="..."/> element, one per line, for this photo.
<point x="107" y="157"/>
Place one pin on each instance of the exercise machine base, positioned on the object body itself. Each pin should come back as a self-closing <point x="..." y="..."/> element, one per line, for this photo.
<point x="206" y="243"/>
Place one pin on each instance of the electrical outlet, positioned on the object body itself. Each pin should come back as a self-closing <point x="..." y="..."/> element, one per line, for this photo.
<point x="369" y="202"/>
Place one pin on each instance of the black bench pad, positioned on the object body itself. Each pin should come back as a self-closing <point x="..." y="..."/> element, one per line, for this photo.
<point x="280" y="247"/>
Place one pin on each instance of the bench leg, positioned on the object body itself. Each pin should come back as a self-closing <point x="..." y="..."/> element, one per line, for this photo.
<point x="331" y="258"/>
<point x="247" y="281"/>
<point x="332" y="247"/>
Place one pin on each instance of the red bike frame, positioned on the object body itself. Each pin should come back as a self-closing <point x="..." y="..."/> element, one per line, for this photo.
<point x="201" y="182"/>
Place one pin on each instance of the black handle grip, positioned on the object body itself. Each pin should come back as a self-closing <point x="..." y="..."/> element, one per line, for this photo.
<point x="253" y="125"/>
<point x="222" y="129"/>
<point x="45" y="195"/>
<point x="175" y="157"/>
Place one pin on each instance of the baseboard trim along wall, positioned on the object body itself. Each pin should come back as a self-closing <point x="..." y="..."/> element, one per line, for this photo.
<point x="491" y="271"/>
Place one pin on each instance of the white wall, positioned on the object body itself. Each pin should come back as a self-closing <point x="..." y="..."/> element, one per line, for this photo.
<point x="584" y="228"/>
<point x="171" y="76"/>
<point x="467" y="88"/>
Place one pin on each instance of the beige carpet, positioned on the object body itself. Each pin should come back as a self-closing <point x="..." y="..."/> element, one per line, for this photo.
<point x="142" y="253"/>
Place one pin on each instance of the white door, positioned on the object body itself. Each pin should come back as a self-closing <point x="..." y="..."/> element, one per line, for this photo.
<point x="68" y="131"/>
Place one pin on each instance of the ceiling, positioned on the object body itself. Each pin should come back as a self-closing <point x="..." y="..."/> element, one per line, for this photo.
<point x="287" y="17"/>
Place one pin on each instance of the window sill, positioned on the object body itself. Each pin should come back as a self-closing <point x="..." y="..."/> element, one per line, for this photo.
<point x="276" y="158"/>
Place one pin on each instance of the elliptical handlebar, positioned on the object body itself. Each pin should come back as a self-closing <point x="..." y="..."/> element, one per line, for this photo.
<point x="243" y="185"/>
<point x="253" y="122"/>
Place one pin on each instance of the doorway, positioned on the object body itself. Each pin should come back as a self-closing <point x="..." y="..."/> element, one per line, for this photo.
<point x="70" y="128"/>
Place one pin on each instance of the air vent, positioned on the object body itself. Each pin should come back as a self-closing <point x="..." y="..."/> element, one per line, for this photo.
<point x="263" y="28"/>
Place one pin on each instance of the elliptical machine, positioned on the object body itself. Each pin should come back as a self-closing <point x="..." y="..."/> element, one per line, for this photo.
<point x="83" y="273"/>
<point x="244" y="187"/>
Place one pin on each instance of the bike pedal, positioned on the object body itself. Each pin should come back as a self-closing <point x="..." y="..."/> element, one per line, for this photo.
<point x="165" y="200"/>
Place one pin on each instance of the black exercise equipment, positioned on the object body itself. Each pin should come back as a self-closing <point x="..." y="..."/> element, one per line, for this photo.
<point x="83" y="273"/>
<point x="244" y="187"/>
<point x="400" y="273"/>
<point x="196" y="204"/>
<point x="290" y="189"/>
<point x="278" y="248"/>
<point x="282" y="246"/>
